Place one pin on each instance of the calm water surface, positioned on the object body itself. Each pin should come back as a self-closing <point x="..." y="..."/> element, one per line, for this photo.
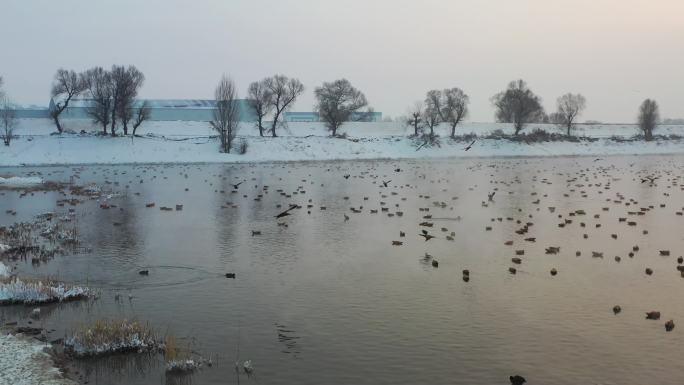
<point x="330" y="300"/>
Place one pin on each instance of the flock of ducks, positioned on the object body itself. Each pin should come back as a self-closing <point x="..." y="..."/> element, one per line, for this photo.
<point x="506" y="193"/>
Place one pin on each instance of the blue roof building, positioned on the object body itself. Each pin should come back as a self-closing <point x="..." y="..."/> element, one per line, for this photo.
<point x="164" y="109"/>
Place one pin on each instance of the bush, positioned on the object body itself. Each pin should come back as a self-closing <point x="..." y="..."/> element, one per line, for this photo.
<point x="242" y="147"/>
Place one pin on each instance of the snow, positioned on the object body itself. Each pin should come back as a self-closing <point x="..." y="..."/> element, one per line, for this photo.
<point x="19" y="291"/>
<point x="194" y="142"/>
<point x="24" y="362"/>
<point x="132" y="343"/>
<point x="4" y="270"/>
<point x="17" y="181"/>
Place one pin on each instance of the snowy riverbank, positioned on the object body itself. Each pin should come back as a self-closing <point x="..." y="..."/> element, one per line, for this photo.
<point x="23" y="361"/>
<point x="187" y="142"/>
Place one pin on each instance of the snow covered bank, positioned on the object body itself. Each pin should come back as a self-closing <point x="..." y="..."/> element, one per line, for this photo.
<point x="17" y="181"/>
<point x="192" y="142"/>
<point x="24" y="362"/>
<point x="17" y="291"/>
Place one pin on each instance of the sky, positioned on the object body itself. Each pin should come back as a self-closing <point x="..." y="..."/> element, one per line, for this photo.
<point x="615" y="52"/>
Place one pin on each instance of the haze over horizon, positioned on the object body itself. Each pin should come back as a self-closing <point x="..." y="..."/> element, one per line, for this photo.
<point x="616" y="53"/>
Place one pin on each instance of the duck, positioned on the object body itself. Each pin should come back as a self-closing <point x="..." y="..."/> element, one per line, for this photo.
<point x="517" y="380"/>
<point x="617" y="309"/>
<point x="655" y="315"/>
<point x="669" y="325"/>
<point x="144" y="272"/>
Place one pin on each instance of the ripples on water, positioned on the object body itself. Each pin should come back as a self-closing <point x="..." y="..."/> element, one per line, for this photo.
<point x="329" y="300"/>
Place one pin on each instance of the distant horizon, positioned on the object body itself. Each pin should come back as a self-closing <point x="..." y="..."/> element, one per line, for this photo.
<point x="615" y="53"/>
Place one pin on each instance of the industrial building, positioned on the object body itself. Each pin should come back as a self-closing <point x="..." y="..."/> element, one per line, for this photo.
<point x="164" y="109"/>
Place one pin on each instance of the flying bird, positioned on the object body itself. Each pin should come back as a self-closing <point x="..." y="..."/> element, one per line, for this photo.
<point x="385" y="183"/>
<point x="235" y="186"/>
<point x="426" y="235"/>
<point x="468" y="147"/>
<point x="286" y="212"/>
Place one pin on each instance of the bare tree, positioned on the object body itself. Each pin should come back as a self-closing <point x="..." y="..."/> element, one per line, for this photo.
<point x="454" y="107"/>
<point x="99" y="86"/>
<point x="284" y="92"/>
<point x="414" y="118"/>
<point x="142" y="114"/>
<point x="126" y="84"/>
<point x="433" y="110"/>
<point x="66" y="86"/>
<point x="226" y="113"/>
<point x="518" y="105"/>
<point x="569" y="107"/>
<point x="338" y="102"/>
<point x="260" y="100"/>
<point x="8" y="120"/>
<point x="648" y="118"/>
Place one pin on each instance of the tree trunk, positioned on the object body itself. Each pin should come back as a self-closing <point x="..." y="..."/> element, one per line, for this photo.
<point x="275" y="123"/>
<point x="59" y="126"/>
<point x="125" y="127"/>
<point x="453" y="131"/>
<point x="114" y="120"/>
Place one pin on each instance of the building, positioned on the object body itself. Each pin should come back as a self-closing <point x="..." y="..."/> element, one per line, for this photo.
<point x="163" y="109"/>
<point x="315" y="117"/>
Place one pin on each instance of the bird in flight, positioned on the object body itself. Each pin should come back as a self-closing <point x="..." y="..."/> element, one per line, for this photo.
<point x="385" y="183"/>
<point x="286" y="212"/>
<point x="235" y="186"/>
<point x="468" y="147"/>
<point x="426" y="235"/>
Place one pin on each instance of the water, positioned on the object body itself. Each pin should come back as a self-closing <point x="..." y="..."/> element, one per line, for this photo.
<point x="329" y="300"/>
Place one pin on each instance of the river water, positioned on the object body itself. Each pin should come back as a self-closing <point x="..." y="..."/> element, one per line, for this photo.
<point x="323" y="296"/>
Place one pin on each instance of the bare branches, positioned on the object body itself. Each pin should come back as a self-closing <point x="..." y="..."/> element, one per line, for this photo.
<point x="284" y="92"/>
<point x="260" y="100"/>
<point x="66" y="85"/>
<point x="339" y="102"/>
<point x="125" y="84"/>
<point x="649" y="117"/>
<point x="433" y="110"/>
<point x="8" y="120"/>
<point x="454" y="107"/>
<point x="570" y="106"/>
<point x="518" y="105"/>
<point x="226" y="113"/>
<point x="414" y="118"/>
<point x="99" y="85"/>
<point x="142" y="114"/>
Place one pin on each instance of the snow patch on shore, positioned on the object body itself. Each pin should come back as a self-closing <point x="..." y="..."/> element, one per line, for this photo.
<point x="17" y="181"/>
<point x="27" y="292"/>
<point x="24" y="362"/>
<point x="194" y="142"/>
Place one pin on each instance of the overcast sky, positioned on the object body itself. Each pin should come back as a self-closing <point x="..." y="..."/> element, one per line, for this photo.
<point x="615" y="52"/>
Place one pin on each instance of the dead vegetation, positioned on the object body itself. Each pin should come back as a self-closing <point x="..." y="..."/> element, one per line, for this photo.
<point x="105" y="337"/>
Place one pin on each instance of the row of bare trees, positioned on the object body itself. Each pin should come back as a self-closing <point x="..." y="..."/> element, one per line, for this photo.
<point x="112" y="96"/>
<point x="336" y="102"/>
<point x="448" y="106"/>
